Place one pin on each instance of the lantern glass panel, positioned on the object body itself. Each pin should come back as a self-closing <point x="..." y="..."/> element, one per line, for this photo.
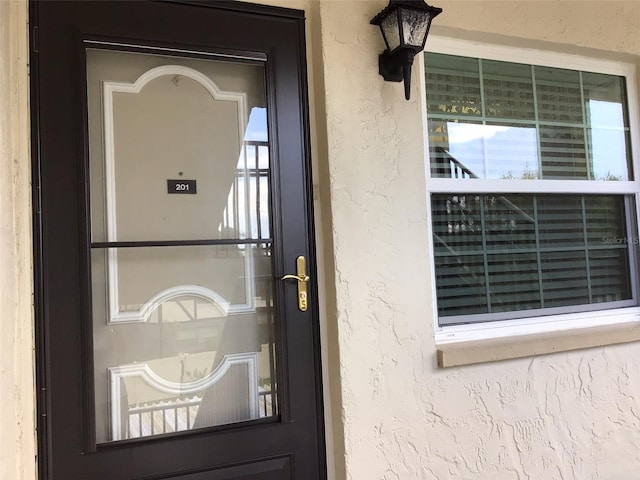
<point x="391" y="30"/>
<point x="415" y="26"/>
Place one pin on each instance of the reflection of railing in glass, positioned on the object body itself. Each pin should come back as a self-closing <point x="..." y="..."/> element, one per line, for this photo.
<point x="179" y="415"/>
<point x="447" y="163"/>
<point x="247" y="212"/>
<point x="145" y="403"/>
<point x="443" y="164"/>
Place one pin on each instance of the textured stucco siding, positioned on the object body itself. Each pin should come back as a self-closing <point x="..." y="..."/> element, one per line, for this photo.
<point x="563" y="416"/>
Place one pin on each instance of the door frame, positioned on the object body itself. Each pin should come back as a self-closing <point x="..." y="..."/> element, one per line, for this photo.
<point x="42" y="336"/>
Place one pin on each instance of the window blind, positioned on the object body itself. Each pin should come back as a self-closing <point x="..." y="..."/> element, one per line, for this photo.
<point x="568" y="122"/>
<point x="515" y="253"/>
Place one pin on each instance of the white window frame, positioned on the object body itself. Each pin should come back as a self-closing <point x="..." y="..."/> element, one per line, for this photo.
<point x="543" y="323"/>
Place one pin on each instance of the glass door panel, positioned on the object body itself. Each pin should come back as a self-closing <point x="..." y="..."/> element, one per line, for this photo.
<point x="182" y="289"/>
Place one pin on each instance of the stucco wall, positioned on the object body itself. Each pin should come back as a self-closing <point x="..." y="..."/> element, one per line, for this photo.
<point x="17" y="434"/>
<point x="563" y="416"/>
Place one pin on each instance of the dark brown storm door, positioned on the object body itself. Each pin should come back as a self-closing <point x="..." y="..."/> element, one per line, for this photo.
<point x="175" y="282"/>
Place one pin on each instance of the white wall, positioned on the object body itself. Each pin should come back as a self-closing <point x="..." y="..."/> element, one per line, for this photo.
<point x="563" y="416"/>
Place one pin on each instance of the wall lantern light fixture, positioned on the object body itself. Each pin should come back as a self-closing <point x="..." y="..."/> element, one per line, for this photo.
<point x="404" y="25"/>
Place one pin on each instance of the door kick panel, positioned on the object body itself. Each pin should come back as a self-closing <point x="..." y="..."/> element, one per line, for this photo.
<point x="273" y="469"/>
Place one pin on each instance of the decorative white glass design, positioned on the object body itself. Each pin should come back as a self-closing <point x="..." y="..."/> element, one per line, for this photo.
<point x="182" y="297"/>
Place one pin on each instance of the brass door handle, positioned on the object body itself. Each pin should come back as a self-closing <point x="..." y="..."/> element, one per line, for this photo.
<point x="296" y="277"/>
<point x="302" y="278"/>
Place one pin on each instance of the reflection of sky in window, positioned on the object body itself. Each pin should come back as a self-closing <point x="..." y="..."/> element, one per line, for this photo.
<point x="511" y="152"/>
<point x="607" y="140"/>
<point x="257" y="127"/>
<point x="257" y="132"/>
<point x="495" y="151"/>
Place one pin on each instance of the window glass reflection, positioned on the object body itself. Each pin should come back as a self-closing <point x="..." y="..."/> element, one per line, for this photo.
<point x="504" y="120"/>
<point x="492" y="151"/>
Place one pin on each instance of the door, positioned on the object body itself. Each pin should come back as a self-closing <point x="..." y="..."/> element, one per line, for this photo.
<point x="175" y="281"/>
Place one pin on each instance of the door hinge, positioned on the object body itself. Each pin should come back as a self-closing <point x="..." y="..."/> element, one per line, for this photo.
<point x="35" y="39"/>
<point x="43" y="402"/>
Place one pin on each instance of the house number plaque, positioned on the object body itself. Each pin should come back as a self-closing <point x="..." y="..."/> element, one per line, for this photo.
<point x="187" y="187"/>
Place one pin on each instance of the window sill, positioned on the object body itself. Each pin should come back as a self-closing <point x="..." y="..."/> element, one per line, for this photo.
<point x="496" y="349"/>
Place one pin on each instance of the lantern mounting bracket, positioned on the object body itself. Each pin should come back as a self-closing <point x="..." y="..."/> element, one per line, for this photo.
<point x="396" y="68"/>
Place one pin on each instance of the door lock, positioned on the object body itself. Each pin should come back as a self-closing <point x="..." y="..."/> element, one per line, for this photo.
<point x="302" y="278"/>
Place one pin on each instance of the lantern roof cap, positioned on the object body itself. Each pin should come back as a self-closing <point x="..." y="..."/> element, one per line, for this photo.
<point x="413" y="4"/>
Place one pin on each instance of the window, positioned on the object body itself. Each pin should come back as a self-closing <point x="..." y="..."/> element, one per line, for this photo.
<point x="531" y="186"/>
